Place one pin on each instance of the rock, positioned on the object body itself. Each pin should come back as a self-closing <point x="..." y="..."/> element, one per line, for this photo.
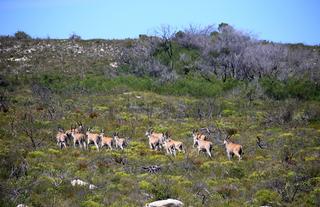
<point x="165" y="203"/>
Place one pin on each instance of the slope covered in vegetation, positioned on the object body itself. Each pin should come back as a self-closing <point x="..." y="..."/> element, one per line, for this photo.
<point x="223" y="80"/>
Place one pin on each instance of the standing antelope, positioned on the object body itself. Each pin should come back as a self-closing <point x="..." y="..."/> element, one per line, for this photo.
<point x="80" y="138"/>
<point x="106" y="141"/>
<point x="93" y="138"/>
<point x="203" y="145"/>
<point x="155" y="139"/>
<point x="232" y="148"/>
<point x="62" y="139"/>
<point x="169" y="146"/>
<point x="179" y="146"/>
<point x="120" y="142"/>
<point x="198" y="136"/>
<point x="69" y="132"/>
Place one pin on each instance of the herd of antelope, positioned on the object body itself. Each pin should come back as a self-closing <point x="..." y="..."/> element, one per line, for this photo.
<point x="83" y="137"/>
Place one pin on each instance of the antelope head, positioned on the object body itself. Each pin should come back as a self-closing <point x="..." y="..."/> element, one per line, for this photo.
<point x="116" y="135"/>
<point x="149" y="132"/>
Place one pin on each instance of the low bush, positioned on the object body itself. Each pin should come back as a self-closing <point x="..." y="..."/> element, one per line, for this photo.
<point x="292" y="88"/>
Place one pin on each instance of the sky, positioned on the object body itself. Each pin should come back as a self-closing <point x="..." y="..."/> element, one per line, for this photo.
<point x="286" y="21"/>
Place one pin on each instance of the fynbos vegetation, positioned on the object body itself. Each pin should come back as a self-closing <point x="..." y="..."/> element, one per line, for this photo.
<point x="158" y="119"/>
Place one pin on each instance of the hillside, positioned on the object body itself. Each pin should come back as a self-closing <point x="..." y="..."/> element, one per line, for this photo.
<point x="223" y="81"/>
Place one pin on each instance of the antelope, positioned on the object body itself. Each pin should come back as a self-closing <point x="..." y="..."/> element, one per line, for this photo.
<point x="69" y="132"/>
<point x="62" y="139"/>
<point x="106" y="141"/>
<point x="155" y="139"/>
<point x="79" y="138"/>
<point x="232" y="148"/>
<point x="203" y="145"/>
<point x="169" y="146"/>
<point x="198" y="136"/>
<point x="93" y="138"/>
<point x="120" y="142"/>
<point x="79" y="129"/>
<point x="179" y="146"/>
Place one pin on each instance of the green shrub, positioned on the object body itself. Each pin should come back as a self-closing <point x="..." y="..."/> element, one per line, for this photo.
<point x="267" y="197"/>
<point x="90" y="203"/>
<point x="36" y="154"/>
<point x="314" y="198"/>
<point x="236" y="172"/>
<point x="292" y="88"/>
<point x="20" y="35"/>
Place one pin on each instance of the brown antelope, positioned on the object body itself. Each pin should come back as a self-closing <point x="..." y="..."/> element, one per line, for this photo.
<point x="106" y="141"/>
<point x="79" y="138"/>
<point x="179" y="146"/>
<point x="232" y="148"/>
<point x="198" y="136"/>
<point x="155" y="139"/>
<point x="79" y="129"/>
<point x="62" y="139"/>
<point x="93" y="138"/>
<point x="203" y="145"/>
<point x="169" y="146"/>
<point x="69" y="132"/>
<point x="120" y="142"/>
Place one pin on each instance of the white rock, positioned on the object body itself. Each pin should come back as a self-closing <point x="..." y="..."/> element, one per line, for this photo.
<point x="78" y="182"/>
<point x="165" y="203"/>
<point x="83" y="183"/>
<point x="114" y="64"/>
<point x="22" y="205"/>
<point x="92" y="187"/>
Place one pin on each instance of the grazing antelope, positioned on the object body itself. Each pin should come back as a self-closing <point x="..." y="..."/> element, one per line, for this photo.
<point x="232" y="148"/>
<point x="198" y="136"/>
<point x="93" y="138"/>
<point x="120" y="142"/>
<point x="62" y="139"/>
<point x="203" y="145"/>
<point x="169" y="146"/>
<point x="155" y="139"/>
<point x="79" y="138"/>
<point x="106" y="141"/>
